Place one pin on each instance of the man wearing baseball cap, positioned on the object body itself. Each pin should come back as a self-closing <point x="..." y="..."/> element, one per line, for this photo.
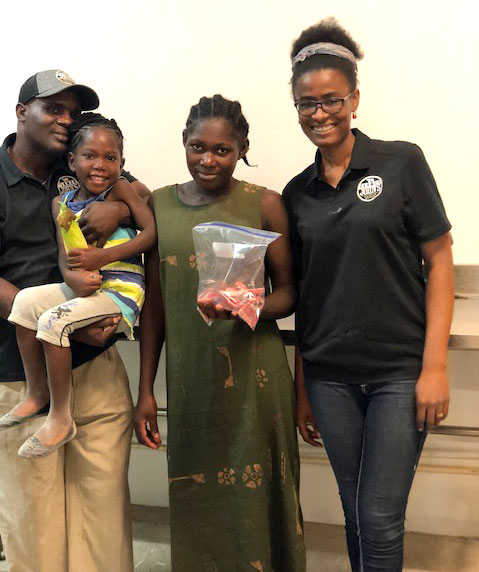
<point x="69" y="511"/>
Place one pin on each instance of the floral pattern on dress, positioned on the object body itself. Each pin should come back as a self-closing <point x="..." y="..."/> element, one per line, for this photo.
<point x="171" y="260"/>
<point x="250" y="188"/>
<point x="283" y="469"/>
<point x="299" y="525"/>
<point x="253" y="476"/>
<point x="198" y="260"/>
<point x="229" y="381"/>
<point x="226" y="476"/>
<point x="195" y="477"/>
<point x="261" y="378"/>
<point x="209" y="565"/>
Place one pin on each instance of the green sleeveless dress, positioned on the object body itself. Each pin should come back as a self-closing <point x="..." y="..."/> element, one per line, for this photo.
<point x="233" y="461"/>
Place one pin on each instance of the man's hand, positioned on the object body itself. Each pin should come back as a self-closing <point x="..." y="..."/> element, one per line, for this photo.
<point x="101" y="218"/>
<point x="98" y="333"/>
<point x="91" y="258"/>
<point x="146" y="426"/>
<point x="7" y="294"/>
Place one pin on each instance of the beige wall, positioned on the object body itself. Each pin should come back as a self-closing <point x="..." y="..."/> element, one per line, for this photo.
<point x="150" y="60"/>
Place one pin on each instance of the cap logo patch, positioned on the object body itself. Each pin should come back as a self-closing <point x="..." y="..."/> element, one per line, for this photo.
<point x="369" y="188"/>
<point x="64" y="77"/>
<point x="67" y="183"/>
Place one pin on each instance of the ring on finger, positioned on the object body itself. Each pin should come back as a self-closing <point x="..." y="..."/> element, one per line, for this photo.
<point x="439" y="415"/>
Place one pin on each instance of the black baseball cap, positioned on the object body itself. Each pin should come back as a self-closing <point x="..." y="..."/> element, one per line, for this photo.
<point x="50" y="82"/>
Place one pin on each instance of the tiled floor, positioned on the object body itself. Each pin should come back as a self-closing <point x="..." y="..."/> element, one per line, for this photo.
<point x="325" y="545"/>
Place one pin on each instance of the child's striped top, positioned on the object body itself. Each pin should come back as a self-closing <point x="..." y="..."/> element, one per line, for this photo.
<point x="124" y="280"/>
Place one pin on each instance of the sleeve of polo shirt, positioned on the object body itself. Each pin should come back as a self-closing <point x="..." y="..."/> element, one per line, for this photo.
<point x="3" y="213"/>
<point x="295" y="239"/>
<point x="128" y="176"/>
<point x="424" y="208"/>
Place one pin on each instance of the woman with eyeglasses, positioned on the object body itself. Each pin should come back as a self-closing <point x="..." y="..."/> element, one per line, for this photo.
<point x="372" y="331"/>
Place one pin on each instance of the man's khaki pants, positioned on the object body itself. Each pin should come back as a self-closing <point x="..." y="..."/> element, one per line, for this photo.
<point x="70" y="512"/>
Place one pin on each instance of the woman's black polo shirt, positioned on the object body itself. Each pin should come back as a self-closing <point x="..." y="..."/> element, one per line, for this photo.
<point x="361" y="312"/>
<point x="28" y="248"/>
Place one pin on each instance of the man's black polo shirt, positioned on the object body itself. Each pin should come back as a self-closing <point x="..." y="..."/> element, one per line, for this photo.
<point x="357" y="248"/>
<point x="28" y="249"/>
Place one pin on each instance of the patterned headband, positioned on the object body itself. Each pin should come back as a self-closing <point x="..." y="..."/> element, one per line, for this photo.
<point x="324" y="48"/>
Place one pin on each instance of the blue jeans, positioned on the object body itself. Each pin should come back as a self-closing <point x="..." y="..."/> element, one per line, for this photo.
<point x="371" y="438"/>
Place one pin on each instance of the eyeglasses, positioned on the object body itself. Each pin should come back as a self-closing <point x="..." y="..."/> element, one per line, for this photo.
<point x="332" y="105"/>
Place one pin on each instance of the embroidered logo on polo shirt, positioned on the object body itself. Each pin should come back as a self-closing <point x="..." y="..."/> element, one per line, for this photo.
<point x="67" y="183"/>
<point x="369" y="188"/>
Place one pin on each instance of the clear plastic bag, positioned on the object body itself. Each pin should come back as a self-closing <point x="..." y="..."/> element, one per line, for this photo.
<point x="230" y="262"/>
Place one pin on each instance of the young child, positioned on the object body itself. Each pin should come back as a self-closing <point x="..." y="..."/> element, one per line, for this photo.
<point x="47" y="315"/>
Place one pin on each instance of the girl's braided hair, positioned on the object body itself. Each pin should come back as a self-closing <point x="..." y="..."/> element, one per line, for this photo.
<point x="218" y="107"/>
<point x="87" y="120"/>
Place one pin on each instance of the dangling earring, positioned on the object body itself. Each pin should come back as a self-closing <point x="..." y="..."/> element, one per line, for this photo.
<point x="354" y="115"/>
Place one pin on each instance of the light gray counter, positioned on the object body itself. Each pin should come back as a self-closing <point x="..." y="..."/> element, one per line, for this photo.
<point x="464" y="329"/>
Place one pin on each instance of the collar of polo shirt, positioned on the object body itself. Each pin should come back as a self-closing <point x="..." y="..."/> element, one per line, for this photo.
<point x="360" y="157"/>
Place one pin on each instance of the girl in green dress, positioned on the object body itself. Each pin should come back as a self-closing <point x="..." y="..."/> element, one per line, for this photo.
<point x="232" y="450"/>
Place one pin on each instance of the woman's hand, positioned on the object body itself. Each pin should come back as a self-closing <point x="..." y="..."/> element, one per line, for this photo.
<point x="304" y="413"/>
<point x="432" y="398"/>
<point x="146" y="425"/>
<point x="82" y="282"/>
<point x="306" y="422"/>
<point x="432" y="388"/>
<point x="91" y="258"/>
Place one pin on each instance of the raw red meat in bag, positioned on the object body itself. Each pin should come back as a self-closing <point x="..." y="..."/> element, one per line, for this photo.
<point x="230" y="262"/>
<point x="246" y="302"/>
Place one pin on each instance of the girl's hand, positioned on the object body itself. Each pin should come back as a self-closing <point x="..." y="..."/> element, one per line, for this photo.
<point x="146" y="426"/>
<point x="306" y="422"/>
<point x="216" y="311"/>
<point x="91" y="258"/>
<point x="82" y="282"/>
<point x="432" y="398"/>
